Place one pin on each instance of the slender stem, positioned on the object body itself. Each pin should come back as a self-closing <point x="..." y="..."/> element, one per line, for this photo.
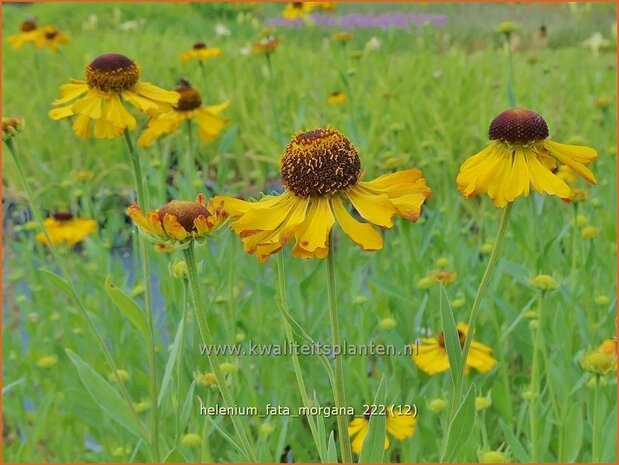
<point x="535" y="385"/>
<point x="510" y="80"/>
<point x="283" y="300"/>
<point x="339" y="392"/>
<point x="69" y="279"/>
<point x="595" y="441"/>
<point x="278" y="128"/>
<point x="207" y="339"/>
<point x="179" y="370"/>
<point x="150" y="316"/>
<point x="574" y="246"/>
<point x="485" y="280"/>
<point x="188" y="162"/>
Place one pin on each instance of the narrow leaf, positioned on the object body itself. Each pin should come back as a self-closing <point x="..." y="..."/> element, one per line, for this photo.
<point x="127" y="306"/>
<point x="461" y="427"/>
<point x="373" y="448"/>
<point x="59" y="283"/>
<point x="452" y="340"/>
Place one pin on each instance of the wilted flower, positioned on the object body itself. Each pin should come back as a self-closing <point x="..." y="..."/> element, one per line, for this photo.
<point x="177" y="223"/>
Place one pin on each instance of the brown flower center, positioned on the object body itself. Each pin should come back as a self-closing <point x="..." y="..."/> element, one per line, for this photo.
<point x="199" y="46"/>
<point x="518" y="126"/>
<point x="112" y="72"/>
<point x="63" y="216"/>
<point x="28" y="25"/>
<point x="320" y="162"/>
<point x="190" y="98"/>
<point x="185" y="212"/>
<point x="441" y="339"/>
<point x="50" y="35"/>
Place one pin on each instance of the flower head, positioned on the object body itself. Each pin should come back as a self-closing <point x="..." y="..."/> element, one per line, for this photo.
<point x="432" y="357"/>
<point x="507" y="27"/>
<point x="200" y="51"/>
<point x="399" y="425"/>
<point x="544" y="282"/>
<point x="188" y="107"/>
<point x="51" y="38"/>
<point x="521" y="156"/>
<point x="320" y="169"/>
<point x="11" y="127"/>
<point x="177" y="223"/>
<point x="341" y="36"/>
<point x="336" y="98"/>
<point x="110" y="79"/>
<point x="63" y="227"/>
<point x="266" y="45"/>
<point x="297" y="10"/>
<point x="28" y="33"/>
<point x="599" y="361"/>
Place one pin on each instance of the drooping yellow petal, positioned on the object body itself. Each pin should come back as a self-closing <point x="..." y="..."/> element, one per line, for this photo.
<point x="362" y="234"/>
<point x="209" y="124"/>
<point x="118" y="114"/>
<point x="400" y="426"/>
<point x="157" y="94"/>
<point x="90" y="105"/>
<point x="71" y="91"/>
<point x="518" y="181"/>
<point x="60" y="113"/>
<point x="81" y="126"/>
<point x="141" y="103"/>
<point x="312" y="236"/>
<point x="480" y="357"/>
<point x="158" y="125"/>
<point x="431" y="358"/>
<point x="574" y="156"/>
<point x="543" y="180"/>
<point x="173" y="228"/>
<point x="377" y="209"/>
<point x="498" y="182"/>
<point x="256" y="219"/>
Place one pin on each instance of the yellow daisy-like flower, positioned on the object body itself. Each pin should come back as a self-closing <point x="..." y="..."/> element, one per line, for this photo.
<point x="297" y="10"/>
<point x="432" y="357"/>
<point x="110" y="79"/>
<point x="341" y="36"/>
<point x="188" y="107"/>
<point x="200" y="51"/>
<point x="521" y="156"/>
<point x="337" y="98"/>
<point x="399" y="425"/>
<point x="63" y="227"/>
<point x="266" y="45"/>
<point x="51" y="38"/>
<point x="177" y="223"/>
<point x="28" y="33"/>
<point x="320" y="169"/>
<point x="443" y="276"/>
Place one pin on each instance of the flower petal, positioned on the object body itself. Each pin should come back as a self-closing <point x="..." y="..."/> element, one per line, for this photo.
<point x="574" y="156"/>
<point x="312" y="236"/>
<point x="173" y="228"/>
<point x="362" y="234"/>
<point x="377" y="209"/>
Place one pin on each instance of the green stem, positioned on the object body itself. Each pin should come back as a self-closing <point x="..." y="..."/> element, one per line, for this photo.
<point x="283" y="307"/>
<point x="597" y="428"/>
<point x="510" y="80"/>
<point x="207" y="339"/>
<point x="574" y="246"/>
<point x="69" y="279"/>
<point x="150" y="316"/>
<point x="535" y="387"/>
<point x="278" y="128"/>
<point x="339" y="392"/>
<point x="188" y="163"/>
<point x="485" y="280"/>
<point x="179" y="370"/>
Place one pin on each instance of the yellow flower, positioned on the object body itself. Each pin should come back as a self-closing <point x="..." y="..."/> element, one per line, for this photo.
<point x="432" y="357"/>
<point x="399" y="425"/>
<point x="110" y="79"/>
<point x="608" y="347"/>
<point x="320" y="169"/>
<point x="544" y="282"/>
<point x="206" y="379"/>
<point x="589" y="232"/>
<point x="189" y="107"/>
<point x="47" y="362"/>
<point x="297" y="10"/>
<point x="51" y="38"/>
<point x="177" y="223"/>
<point x="598" y="361"/>
<point x="567" y="174"/>
<point x="266" y="45"/>
<point x="336" y="98"/>
<point x="28" y="33"/>
<point x="82" y="175"/>
<point x="602" y="102"/>
<point x="520" y="156"/>
<point x="341" y="36"/>
<point x="11" y="127"/>
<point x="200" y="51"/>
<point x="63" y="227"/>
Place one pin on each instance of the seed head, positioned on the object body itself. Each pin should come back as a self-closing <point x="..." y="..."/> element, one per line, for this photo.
<point x="518" y="126"/>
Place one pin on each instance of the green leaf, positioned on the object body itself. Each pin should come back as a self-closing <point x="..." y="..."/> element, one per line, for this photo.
<point x="332" y="449"/>
<point x="175" y="456"/>
<point x="514" y="444"/>
<point x="172" y="358"/>
<point x="127" y="306"/>
<point x="373" y="448"/>
<point x="452" y="340"/>
<point x="106" y="397"/>
<point x="573" y="433"/>
<point x="461" y="427"/>
<point x="59" y="283"/>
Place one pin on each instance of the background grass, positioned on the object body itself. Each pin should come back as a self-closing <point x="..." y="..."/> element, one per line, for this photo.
<point x="424" y="99"/>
